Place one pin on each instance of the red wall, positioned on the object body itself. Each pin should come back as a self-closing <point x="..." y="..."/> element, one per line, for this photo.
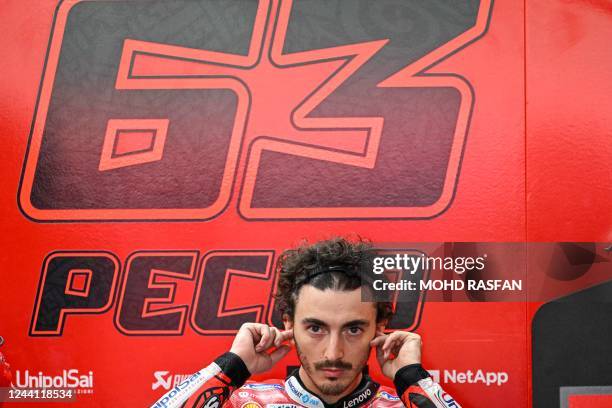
<point x="535" y="167"/>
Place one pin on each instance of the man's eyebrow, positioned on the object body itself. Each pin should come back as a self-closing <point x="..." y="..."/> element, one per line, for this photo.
<point x="312" y="320"/>
<point x="352" y="323"/>
<point x="358" y="322"/>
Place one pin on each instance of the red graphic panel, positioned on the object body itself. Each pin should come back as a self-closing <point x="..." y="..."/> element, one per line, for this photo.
<point x="264" y="122"/>
<point x="134" y="151"/>
<point x="73" y="283"/>
<point x="234" y="287"/>
<point x="316" y="128"/>
<point x="377" y="151"/>
<point x="132" y="142"/>
<point x="78" y="282"/>
<point x="147" y="299"/>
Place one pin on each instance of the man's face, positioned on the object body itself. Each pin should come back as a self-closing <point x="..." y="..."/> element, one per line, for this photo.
<point x="332" y="331"/>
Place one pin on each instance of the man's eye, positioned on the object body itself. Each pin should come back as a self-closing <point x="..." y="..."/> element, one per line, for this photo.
<point x="355" y="330"/>
<point x="314" y="329"/>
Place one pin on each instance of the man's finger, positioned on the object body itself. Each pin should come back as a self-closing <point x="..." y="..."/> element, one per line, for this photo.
<point x="283" y="336"/>
<point x="265" y="338"/>
<point x="380" y="356"/>
<point x="274" y="334"/>
<point x="253" y="330"/>
<point x="392" y="338"/>
<point x="378" y="340"/>
<point x="393" y="342"/>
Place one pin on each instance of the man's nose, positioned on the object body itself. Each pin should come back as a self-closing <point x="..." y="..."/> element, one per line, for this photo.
<point x="335" y="349"/>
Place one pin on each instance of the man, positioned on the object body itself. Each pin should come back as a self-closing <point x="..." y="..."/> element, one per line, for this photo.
<point x="333" y="330"/>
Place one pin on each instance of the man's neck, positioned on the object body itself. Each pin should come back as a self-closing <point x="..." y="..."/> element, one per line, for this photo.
<point x="328" y="399"/>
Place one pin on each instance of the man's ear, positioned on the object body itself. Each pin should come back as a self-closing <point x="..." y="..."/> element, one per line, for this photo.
<point x="287" y="322"/>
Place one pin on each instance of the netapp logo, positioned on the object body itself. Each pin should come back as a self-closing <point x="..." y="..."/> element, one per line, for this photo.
<point x="358" y="399"/>
<point x="488" y="378"/>
<point x="165" y="380"/>
<point x="476" y="377"/>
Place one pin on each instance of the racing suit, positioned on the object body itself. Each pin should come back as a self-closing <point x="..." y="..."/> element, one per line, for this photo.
<point x="223" y="383"/>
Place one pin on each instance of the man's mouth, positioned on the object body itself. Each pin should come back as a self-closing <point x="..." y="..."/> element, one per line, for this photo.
<point x="333" y="372"/>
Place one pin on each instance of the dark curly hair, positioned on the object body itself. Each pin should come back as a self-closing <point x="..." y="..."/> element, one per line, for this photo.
<point x="350" y="262"/>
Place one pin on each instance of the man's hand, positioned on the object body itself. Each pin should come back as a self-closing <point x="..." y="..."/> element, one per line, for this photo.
<point x="252" y="342"/>
<point x="405" y="346"/>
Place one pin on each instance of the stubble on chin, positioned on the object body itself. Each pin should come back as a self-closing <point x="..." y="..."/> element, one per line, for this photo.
<point x="334" y="388"/>
<point x="328" y="387"/>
